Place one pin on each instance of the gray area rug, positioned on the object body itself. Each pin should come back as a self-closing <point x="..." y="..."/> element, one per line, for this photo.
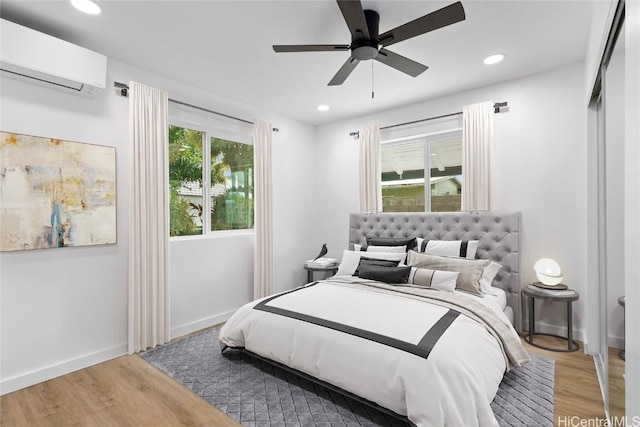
<point x="258" y="394"/>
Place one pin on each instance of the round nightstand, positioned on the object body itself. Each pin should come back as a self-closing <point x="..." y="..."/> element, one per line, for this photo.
<point x="310" y="270"/>
<point x="566" y="296"/>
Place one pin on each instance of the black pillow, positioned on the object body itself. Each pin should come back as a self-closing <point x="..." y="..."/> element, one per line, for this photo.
<point x="375" y="262"/>
<point x="409" y="242"/>
<point x="385" y="274"/>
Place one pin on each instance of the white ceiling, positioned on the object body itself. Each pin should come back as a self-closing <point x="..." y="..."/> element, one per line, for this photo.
<point x="225" y="47"/>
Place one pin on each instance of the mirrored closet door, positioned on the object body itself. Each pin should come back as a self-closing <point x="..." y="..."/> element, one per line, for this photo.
<point x="614" y="84"/>
<point x="607" y="104"/>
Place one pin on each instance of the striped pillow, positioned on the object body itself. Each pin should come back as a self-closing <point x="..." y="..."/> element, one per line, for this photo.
<point x="470" y="270"/>
<point x="395" y="249"/>
<point x="451" y="248"/>
<point x="444" y="280"/>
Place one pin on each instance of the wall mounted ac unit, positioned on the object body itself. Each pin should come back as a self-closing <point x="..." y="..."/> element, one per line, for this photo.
<point x="39" y="58"/>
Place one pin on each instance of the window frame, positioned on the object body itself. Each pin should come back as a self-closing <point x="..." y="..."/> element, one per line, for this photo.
<point x="427" y="158"/>
<point x="210" y="131"/>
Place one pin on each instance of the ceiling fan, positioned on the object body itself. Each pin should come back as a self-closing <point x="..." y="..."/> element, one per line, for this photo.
<point x="367" y="44"/>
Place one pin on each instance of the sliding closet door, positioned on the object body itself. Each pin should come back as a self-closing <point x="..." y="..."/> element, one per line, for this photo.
<point x="606" y="220"/>
<point x="614" y="96"/>
<point x="601" y="348"/>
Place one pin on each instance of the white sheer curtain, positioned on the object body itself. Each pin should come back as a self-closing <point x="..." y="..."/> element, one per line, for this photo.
<point x="370" y="170"/>
<point x="263" y="253"/>
<point x="477" y="139"/>
<point x="148" y="218"/>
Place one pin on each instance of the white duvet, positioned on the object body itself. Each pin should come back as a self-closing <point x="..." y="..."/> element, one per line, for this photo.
<point x="453" y="386"/>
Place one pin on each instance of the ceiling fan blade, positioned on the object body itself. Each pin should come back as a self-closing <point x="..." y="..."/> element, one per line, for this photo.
<point x="400" y="63"/>
<point x="344" y="72"/>
<point x="310" y="47"/>
<point x="354" y="17"/>
<point x="440" y="18"/>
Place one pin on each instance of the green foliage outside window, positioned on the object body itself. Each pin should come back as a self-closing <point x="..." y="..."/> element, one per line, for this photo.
<point x="233" y="210"/>
<point x="231" y="177"/>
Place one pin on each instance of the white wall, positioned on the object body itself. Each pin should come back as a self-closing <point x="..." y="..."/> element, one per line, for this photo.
<point x="538" y="166"/>
<point x="63" y="309"/>
<point x="66" y="309"/>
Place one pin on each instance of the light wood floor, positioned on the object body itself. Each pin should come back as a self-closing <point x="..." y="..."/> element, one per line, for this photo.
<point x="577" y="391"/>
<point x="128" y="391"/>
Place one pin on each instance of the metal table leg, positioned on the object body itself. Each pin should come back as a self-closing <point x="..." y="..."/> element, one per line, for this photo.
<point x="569" y="326"/>
<point x="532" y="323"/>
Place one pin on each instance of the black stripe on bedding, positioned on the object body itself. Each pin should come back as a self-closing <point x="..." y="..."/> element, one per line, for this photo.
<point x="463" y="248"/>
<point x="431" y="338"/>
<point x="422" y="349"/>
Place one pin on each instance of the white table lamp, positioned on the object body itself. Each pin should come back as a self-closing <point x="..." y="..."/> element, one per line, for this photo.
<point x="548" y="271"/>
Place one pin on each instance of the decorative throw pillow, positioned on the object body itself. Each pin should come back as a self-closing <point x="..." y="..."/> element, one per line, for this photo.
<point x="451" y="248"/>
<point x="350" y="260"/>
<point x="409" y="242"/>
<point x="444" y="280"/>
<point x="470" y="270"/>
<point x="396" y="249"/>
<point x="374" y="262"/>
<point x="488" y="274"/>
<point x="394" y="275"/>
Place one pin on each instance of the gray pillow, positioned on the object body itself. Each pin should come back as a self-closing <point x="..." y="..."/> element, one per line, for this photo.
<point x="470" y="270"/>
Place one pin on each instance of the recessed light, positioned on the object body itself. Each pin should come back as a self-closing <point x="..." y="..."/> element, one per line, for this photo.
<point x="494" y="59"/>
<point x="86" y="6"/>
<point x="322" y="108"/>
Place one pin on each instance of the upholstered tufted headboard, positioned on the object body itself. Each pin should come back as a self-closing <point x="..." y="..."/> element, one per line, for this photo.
<point x="498" y="235"/>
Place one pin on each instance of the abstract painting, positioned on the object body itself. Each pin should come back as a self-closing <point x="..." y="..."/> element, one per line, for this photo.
<point x="55" y="193"/>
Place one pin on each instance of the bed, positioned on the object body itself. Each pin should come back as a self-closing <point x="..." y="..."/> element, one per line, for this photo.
<point x="434" y="357"/>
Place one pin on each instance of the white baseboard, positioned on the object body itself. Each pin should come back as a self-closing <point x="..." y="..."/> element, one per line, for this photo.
<point x="200" y="324"/>
<point x="37" y="376"/>
<point x="545" y="328"/>
<point x="578" y="335"/>
<point x="615" y="342"/>
<point x="8" y="385"/>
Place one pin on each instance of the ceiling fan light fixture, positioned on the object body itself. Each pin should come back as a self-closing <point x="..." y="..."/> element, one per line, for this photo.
<point x="494" y="59"/>
<point x="322" y="107"/>
<point x="86" y="6"/>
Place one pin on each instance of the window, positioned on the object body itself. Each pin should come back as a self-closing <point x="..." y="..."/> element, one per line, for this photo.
<point x="404" y="162"/>
<point x="224" y="201"/>
<point x="231" y="185"/>
<point x="185" y="181"/>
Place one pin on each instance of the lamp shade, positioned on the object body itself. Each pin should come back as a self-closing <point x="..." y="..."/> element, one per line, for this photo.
<point x="548" y="271"/>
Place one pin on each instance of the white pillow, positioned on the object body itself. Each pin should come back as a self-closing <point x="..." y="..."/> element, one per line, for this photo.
<point x="394" y="249"/>
<point x="450" y="248"/>
<point x="351" y="259"/>
<point x="438" y="279"/>
<point x="488" y="274"/>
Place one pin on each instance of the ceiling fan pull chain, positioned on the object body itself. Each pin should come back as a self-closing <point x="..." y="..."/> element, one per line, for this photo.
<point x="372" y="93"/>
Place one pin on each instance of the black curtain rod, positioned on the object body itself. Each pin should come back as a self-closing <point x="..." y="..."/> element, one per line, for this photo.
<point x="124" y="91"/>
<point x="496" y="109"/>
